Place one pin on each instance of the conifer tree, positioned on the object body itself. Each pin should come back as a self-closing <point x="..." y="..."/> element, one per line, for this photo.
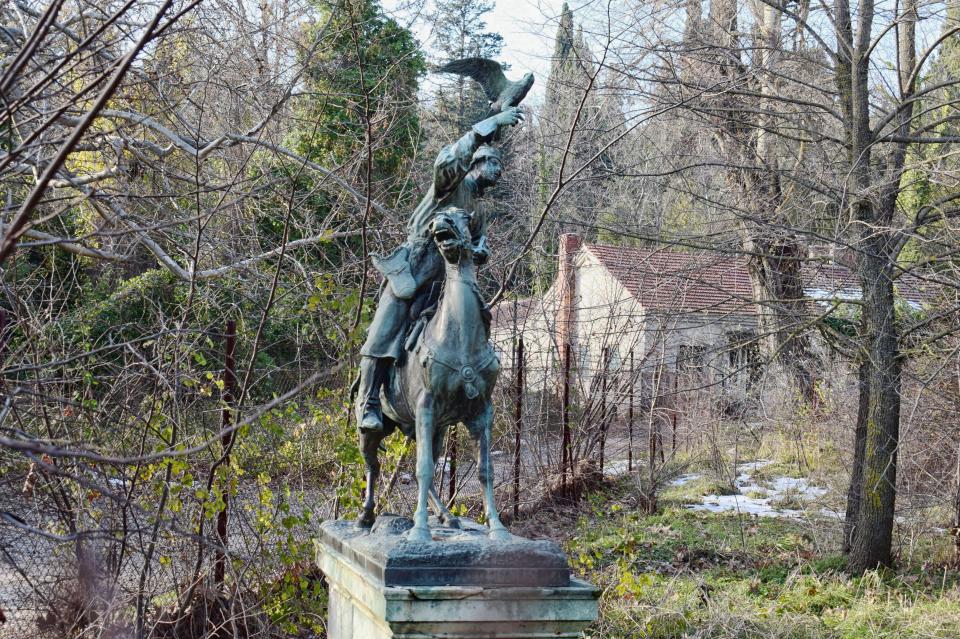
<point x="363" y="82"/>
<point x="573" y="69"/>
<point x="358" y="114"/>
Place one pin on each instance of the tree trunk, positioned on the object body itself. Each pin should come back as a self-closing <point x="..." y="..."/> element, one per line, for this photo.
<point x="876" y="262"/>
<point x="859" y="449"/>
<point x="747" y="139"/>
<point x="777" y="282"/>
<point x="956" y="513"/>
<point x="873" y="536"/>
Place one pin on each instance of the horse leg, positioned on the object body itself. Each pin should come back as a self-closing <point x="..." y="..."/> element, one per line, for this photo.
<point x="369" y="445"/>
<point x="481" y="429"/>
<point x="436" y="502"/>
<point x="425" y="464"/>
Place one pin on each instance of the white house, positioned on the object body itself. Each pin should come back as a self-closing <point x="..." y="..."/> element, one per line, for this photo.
<point x="665" y="310"/>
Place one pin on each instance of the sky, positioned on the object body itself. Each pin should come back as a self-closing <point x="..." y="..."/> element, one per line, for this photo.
<point x="528" y="28"/>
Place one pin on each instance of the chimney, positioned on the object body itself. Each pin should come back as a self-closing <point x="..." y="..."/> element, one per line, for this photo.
<point x="830" y="252"/>
<point x="567" y="312"/>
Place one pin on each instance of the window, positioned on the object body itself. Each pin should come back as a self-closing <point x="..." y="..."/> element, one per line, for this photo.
<point x="690" y="357"/>
<point x="743" y="352"/>
<point x="613" y="359"/>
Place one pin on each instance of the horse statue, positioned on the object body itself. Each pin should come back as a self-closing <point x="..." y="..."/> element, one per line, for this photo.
<point x="447" y="379"/>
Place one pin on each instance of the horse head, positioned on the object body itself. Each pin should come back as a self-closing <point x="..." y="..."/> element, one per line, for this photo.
<point x="450" y="229"/>
<point x="450" y="380"/>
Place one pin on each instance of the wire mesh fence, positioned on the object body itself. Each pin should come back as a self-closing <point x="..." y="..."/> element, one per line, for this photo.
<point x="89" y="547"/>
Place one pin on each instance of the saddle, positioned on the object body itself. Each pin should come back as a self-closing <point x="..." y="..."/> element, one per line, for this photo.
<point x="421" y="311"/>
<point x="395" y="267"/>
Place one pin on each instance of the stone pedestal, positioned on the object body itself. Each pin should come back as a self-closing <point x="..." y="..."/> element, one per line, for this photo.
<point x="461" y="585"/>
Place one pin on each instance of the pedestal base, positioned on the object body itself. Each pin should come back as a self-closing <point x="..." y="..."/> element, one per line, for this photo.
<point x="363" y="607"/>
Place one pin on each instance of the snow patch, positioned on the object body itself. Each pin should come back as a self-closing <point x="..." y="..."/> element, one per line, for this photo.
<point x="757" y="505"/>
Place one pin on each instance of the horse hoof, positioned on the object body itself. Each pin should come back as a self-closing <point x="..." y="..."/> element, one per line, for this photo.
<point x="366" y="520"/>
<point x="499" y="534"/>
<point x="419" y="534"/>
<point x="453" y="522"/>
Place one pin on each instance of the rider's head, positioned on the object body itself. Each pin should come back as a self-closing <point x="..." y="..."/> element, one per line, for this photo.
<point x="485" y="168"/>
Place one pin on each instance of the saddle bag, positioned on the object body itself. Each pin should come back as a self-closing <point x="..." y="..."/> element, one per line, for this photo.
<point x="396" y="268"/>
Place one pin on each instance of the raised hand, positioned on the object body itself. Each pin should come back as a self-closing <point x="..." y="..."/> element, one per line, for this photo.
<point x="509" y="117"/>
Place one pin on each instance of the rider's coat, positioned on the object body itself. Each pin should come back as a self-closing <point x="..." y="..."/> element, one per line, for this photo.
<point x="417" y="265"/>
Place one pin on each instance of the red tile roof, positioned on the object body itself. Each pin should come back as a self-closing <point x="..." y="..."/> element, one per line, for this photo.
<point x="712" y="282"/>
<point x="688" y="282"/>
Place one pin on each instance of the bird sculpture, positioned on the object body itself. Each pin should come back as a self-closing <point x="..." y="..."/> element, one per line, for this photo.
<point x="501" y="92"/>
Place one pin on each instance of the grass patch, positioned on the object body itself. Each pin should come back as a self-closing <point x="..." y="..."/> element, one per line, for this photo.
<point x="682" y="574"/>
<point x="694" y="490"/>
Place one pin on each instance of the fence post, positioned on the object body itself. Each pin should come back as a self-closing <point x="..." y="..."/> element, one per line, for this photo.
<point x="603" y="406"/>
<point x="518" y="417"/>
<point x="565" y="456"/>
<point x="676" y="408"/>
<point x="226" y="440"/>
<point x="453" y="463"/>
<point x="3" y="339"/>
<point x="630" y="419"/>
<point x="654" y="433"/>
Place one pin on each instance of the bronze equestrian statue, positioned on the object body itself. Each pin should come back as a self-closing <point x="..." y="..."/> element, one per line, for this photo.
<point x="449" y="373"/>
<point x="461" y="173"/>
<point x="447" y="379"/>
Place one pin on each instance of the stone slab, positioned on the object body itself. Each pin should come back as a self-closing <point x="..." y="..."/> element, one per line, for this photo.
<point x="464" y="557"/>
<point x="363" y="607"/>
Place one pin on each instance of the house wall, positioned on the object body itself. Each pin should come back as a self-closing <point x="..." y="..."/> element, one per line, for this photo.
<point x="611" y="320"/>
<point x="608" y="319"/>
<point x="537" y="324"/>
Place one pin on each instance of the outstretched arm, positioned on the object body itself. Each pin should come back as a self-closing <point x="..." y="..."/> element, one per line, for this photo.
<point x="453" y="162"/>
<point x="488" y="129"/>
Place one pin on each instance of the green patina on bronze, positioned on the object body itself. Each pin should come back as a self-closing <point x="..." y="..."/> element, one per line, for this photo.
<point x="427" y="362"/>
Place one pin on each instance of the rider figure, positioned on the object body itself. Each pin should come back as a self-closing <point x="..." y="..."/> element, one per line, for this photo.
<point x="461" y="173"/>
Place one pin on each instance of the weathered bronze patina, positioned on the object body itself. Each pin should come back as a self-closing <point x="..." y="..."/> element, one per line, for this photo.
<point x="427" y="362"/>
<point x="462" y="171"/>
<point x="447" y="379"/>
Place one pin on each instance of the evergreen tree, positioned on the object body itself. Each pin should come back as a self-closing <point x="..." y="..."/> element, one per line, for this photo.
<point x="360" y="116"/>
<point x="364" y="80"/>
<point x="943" y="92"/>
<point x="560" y="101"/>
<point x="585" y="205"/>
<point x="562" y="63"/>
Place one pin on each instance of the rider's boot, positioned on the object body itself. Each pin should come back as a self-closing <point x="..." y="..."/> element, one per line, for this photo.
<point x="373" y="372"/>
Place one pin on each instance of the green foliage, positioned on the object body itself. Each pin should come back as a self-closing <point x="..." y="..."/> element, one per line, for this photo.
<point x="922" y="188"/>
<point x="360" y="95"/>
<point x="120" y="309"/>
<point x="683" y="574"/>
<point x="845" y="317"/>
<point x="296" y="600"/>
<point x="366" y="71"/>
